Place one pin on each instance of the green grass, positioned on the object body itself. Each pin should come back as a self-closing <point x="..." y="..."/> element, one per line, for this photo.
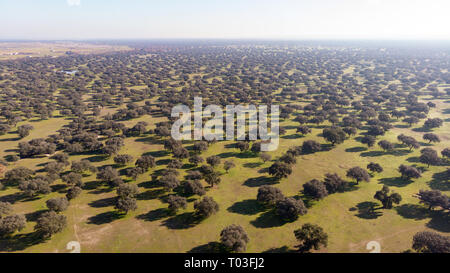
<point x="148" y="229"/>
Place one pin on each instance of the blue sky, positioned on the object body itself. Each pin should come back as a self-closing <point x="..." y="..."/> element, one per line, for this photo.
<point x="260" y="19"/>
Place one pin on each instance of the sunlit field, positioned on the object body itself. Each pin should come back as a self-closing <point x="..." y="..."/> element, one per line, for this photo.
<point x="112" y="92"/>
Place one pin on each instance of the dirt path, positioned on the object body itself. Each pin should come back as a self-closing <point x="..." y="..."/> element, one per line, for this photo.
<point x="75" y="228"/>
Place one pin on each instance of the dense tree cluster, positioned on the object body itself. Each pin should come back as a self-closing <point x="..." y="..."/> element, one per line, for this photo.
<point x="36" y="147"/>
<point x="280" y="170"/>
<point x="192" y="187"/>
<point x="429" y="156"/>
<point x="334" y="183"/>
<point x="57" y="204"/>
<point x="387" y="199"/>
<point x="324" y="102"/>
<point x="311" y="146"/>
<point x="434" y="198"/>
<point x="409" y="172"/>
<point x="234" y="238"/>
<point x="109" y="176"/>
<point x="408" y="141"/>
<point x="431" y="242"/>
<point x="374" y="167"/>
<point x="206" y="207"/>
<point x="269" y="195"/>
<point x="315" y="188"/>
<point x="311" y="236"/>
<point x="11" y="224"/>
<point x="290" y="208"/>
<point x="359" y="174"/>
<point x="386" y="145"/>
<point x="176" y="202"/>
<point x="433" y="123"/>
<point x="335" y="135"/>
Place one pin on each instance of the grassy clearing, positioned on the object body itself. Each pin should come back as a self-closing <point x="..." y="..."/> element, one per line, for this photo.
<point x="92" y="221"/>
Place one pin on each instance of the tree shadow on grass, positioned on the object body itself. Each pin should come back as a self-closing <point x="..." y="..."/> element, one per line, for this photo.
<point x="227" y="154"/>
<point x="252" y="164"/>
<point x="9" y="158"/>
<point x="158" y="115"/>
<point x="395" y="182"/>
<point x="351" y="186"/>
<point x="367" y="210"/>
<point x="211" y="247"/>
<point x="372" y="154"/>
<point x="307" y="200"/>
<point x="163" y="162"/>
<point x="10" y="139"/>
<point x="356" y="149"/>
<point x="283" y="249"/>
<point x="413" y="211"/>
<point x="41" y="170"/>
<point x="440" y="181"/>
<point x="246" y="207"/>
<point x="230" y="146"/>
<point x="421" y="130"/>
<point x="317" y="126"/>
<point x="103" y="203"/>
<point x="31" y="198"/>
<point x="149" y="184"/>
<point x="188" y="166"/>
<point x="260" y="181"/>
<point x="422" y="169"/>
<point x="440" y="221"/>
<point x="326" y="147"/>
<point x="60" y="188"/>
<point x="12" y="198"/>
<point x="414" y="159"/>
<point x="102" y="190"/>
<point x="161" y="153"/>
<point x="154" y="215"/>
<point x="33" y="216"/>
<point x="105" y="218"/>
<point x="124" y="171"/>
<point x="150" y="139"/>
<point x="92" y="185"/>
<point x="246" y="154"/>
<point x="290" y="127"/>
<point x="97" y="158"/>
<point x="426" y="144"/>
<point x="293" y="136"/>
<point x="182" y="221"/>
<point x="20" y="242"/>
<point x="400" y="152"/>
<point x="268" y="219"/>
<point x="150" y="194"/>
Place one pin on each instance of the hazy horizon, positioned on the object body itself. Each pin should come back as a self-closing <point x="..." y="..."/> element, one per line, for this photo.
<point x="229" y="20"/>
